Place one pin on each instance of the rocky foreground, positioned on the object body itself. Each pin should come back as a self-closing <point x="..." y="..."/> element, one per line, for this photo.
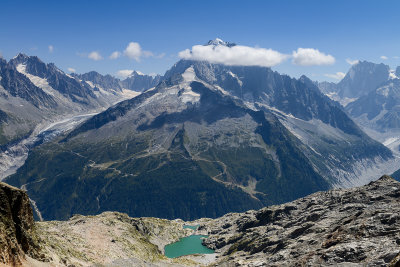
<point x="352" y="227"/>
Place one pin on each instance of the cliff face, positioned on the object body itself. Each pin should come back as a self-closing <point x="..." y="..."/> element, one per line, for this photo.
<point x="17" y="233"/>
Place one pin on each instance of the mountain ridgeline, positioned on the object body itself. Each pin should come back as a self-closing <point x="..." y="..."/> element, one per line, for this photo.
<point x="136" y="81"/>
<point x="207" y="140"/>
<point x="334" y="142"/>
<point x="33" y="93"/>
<point x="371" y="95"/>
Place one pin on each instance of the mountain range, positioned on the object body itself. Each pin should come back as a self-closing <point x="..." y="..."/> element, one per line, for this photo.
<point x="207" y="140"/>
<point x="371" y="95"/>
<point x="34" y="96"/>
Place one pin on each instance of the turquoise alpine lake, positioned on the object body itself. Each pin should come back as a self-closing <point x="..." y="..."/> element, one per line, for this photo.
<point x="193" y="227"/>
<point x="187" y="246"/>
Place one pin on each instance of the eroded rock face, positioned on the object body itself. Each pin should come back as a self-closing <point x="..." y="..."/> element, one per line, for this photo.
<point x="17" y="234"/>
<point x="338" y="227"/>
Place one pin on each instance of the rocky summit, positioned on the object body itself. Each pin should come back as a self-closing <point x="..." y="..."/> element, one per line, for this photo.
<point x="353" y="227"/>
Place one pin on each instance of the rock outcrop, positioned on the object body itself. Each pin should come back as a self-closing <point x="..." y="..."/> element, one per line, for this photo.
<point x="111" y="239"/>
<point x="358" y="226"/>
<point x="17" y="227"/>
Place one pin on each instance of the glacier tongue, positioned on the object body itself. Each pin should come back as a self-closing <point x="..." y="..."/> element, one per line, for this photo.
<point x="15" y="155"/>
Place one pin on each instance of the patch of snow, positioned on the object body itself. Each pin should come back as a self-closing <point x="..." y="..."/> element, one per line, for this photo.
<point x="343" y="101"/>
<point x="347" y="100"/>
<point x="384" y="90"/>
<point x="236" y="77"/>
<point x="392" y="75"/>
<point x="139" y="73"/>
<point x="250" y="105"/>
<point x="223" y="91"/>
<point x="188" y="95"/>
<point x="129" y="93"/>
<point x="189" y="75"/>
<point x="390" y="140"/>
<point x="39" y="82"/>
<point x="60" y="71"/>
<point x="90" y="84"/>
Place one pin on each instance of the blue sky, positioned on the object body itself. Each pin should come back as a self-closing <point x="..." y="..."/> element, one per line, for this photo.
<point x="352" y="29"/>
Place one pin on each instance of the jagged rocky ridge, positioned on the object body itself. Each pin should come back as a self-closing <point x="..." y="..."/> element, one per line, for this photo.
<point x="336" y="146"/>
<point x="362" y="78"/>
<point x="32" y="92"/>
<point x="370" y="94"/>
<point x="380" y="108"/>
<point x="136" y="81"/>
<point x="39" y="101"/>
<point x="358" y="226"/>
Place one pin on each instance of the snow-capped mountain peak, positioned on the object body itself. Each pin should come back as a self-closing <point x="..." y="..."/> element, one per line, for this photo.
<point x="20" y="55"/>
<point x="218" y="41"/>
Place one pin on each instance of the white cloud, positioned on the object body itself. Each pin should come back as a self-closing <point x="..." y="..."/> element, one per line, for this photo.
<point x="383" y="57"/>
<point x="51" y="49"/>
<point x="234" y="56"/>
<point x="147" y="54"/>
<point x="338" y="75"/>
<point x="310" y="57"/>
<point x="351" y="61"/>
<point x="71" y="70"/>
<point x="133" y="51"/>
<point x="115" y="55"/>
<point x="396" y="57"/>
<point x="95" y="56"/>
<point x="160" y="55"/>
<point x="124" y="73"/>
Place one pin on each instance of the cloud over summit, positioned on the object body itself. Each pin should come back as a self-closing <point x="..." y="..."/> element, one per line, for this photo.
<point x="239" y="55"/>
<point x="234" y="56"/>
<point x="124" y="73"/>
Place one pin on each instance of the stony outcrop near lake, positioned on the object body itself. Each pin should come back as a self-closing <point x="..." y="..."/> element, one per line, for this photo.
<point x="352" y="227"/>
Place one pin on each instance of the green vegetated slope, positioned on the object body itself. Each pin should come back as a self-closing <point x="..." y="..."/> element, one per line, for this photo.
<point x="164" y="156"/>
